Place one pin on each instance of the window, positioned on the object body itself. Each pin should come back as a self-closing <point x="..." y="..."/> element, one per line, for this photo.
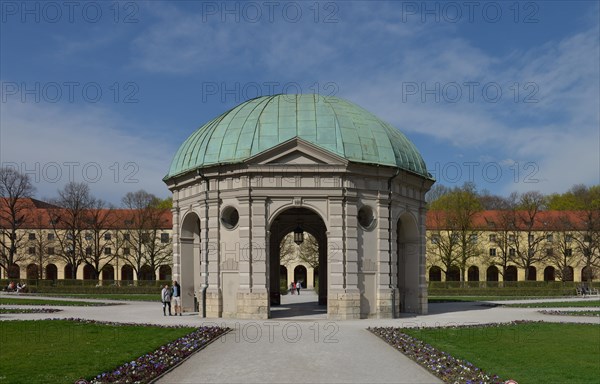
<point x="32" y="236"/>
<point x="50" y="250"/>
<point x="53" y="221"/>
<point x="88" y="236"/>
<point x="126" y="251"/>
<point x="568" y="238"/>
<point x="32" y="250"/>
<point x="107" y="251"/>
<point x="512" y="252"/>
<point x="145" y="237"/>
<point x="511" y="238"/>
<point x="51" y="236"/>
<point x="492" y="251"/>
<point x="531" y="238"/>
<point x="568" y="252"/>
<point x="455" y="237"/>
<point x="107" y="236"/>
<point x="126" y="237"/>
<point x="69" y="236"/>
<point x="435" y="239"/>
<point x="550" y="238"/>
<point x="549" y="252"/>
<point x="88" y="251"/>
<point x="587" y="238"/>
<point x="164" y="238"/>
<point x="473" y="238"/>
<point x="493" y="238"/>
<point x="128" y="222"/>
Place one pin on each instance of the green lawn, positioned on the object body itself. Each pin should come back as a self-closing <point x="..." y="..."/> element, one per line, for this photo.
<point x="61" y="351"/>
<point x="527" y="352"/>
<point x="450" y="299"/>
<point x="557" y="304"/>
<point x="27" y="301"/>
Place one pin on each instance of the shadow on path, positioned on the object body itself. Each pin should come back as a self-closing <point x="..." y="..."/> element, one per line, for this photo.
<point x="304" y="305"/>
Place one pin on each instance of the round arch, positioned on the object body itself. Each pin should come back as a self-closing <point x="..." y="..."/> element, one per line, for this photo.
<point x="187" y="265"/>
<point x="108" y="273"/>
<point x="549" y="273"/>
<point x="51" y="272"/>
<point x="33" y="272"/>
<point x="491" y="274"/>
<point x="435" y="273"/>
<point x="408" y="273"/>
<point x="284" y="221"/>
<point x="473" y="273"/>
<point x="127" y="274"/>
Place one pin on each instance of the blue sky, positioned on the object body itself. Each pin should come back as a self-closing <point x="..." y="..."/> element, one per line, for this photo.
<point x="505" y="94"/>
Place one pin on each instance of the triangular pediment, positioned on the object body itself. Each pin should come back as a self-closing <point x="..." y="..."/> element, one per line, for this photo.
<point x="299" y="152"/>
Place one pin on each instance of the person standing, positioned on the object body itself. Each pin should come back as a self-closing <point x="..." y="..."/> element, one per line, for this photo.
<point x="177" y="297"/>
<point x="298" y="286"/>
<point x="165" y="296"/>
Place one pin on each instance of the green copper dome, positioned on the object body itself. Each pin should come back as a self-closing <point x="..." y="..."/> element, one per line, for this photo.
<point x="328" y="122"/>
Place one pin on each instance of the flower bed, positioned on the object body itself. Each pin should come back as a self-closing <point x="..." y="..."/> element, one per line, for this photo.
<point x="441" y="364"/>
<point x="590" y="313"/>
<point x="28" y="310"/>
<point x="152" y="365"/>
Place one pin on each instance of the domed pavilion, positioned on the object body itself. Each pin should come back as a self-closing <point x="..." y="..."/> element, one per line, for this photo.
<point x="299" y="164"/>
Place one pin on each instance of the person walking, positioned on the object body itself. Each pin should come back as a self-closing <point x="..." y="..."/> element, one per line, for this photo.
<point x="177" y="297"/>
<point x="165" y="296"/>
<point x="293" y="288"/>
<point x="298" y="286"/>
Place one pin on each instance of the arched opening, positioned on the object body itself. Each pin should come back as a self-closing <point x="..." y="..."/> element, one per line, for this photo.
<point x="531" y="273"/>
<point x="473" y="273"/>
<point x="310" y="240"/>
<point x="435" y="273"/>
<point x="14" y="271"/>
<point x="587" y="274"/>
<point x="127" y="274"/>
<point x="165" y="273"/>
<point x="300" y="275"/>
<point x="147" y="273"/>
<point x="491" y="274"/>
<point x="191" y="277"/>
<point x="316" y="277"/>
<point x="108" y="273"/>
<point x="69" y="271"/>
<point x="51" y="272"/>
<point x="89" y="273"/>
<point x="32" y="272"/>
<point x="453" y="273"/>
<point x="549" y="274"/>
<point x="568" y="274"/>
<point x="511" y="273"/>
<point x="408" y="272"/>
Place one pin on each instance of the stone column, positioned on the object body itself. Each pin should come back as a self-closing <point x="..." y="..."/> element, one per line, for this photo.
<point x="386" y="292"/>
<point x="209" y="238"/>
<point x="252" y="296"/>
<point x="343" y="301"/>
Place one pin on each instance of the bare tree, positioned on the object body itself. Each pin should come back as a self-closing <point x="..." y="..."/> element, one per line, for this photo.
<point x="309" y="250"/>
<point x="459" y="208"/>
<point x="442" y="242"/>
<point x="287" y="249"/>
<point x="69" y="222"/>
<point x="15" y="188"/>
<point x="144" y="232"/>
<point x="526" y="238"/>
<point x="98" y="242"/>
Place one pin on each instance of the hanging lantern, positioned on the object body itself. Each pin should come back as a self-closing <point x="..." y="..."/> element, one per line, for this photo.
<point x="298" y="235"/>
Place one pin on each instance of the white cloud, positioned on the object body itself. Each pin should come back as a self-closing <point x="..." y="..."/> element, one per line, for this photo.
<point x="55" y="144"/>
